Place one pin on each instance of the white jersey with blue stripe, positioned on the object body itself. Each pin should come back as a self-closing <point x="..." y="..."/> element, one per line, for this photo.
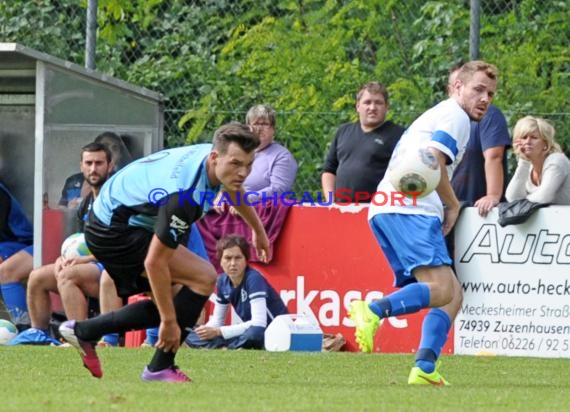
<point x="134" y="195"/>
<point x="445" y="127"/>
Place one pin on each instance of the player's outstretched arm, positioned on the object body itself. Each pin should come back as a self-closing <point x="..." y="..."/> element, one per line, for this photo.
<point x="259" y="236"/>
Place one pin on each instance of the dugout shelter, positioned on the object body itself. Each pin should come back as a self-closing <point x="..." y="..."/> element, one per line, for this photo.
<point x="49" y="109"/>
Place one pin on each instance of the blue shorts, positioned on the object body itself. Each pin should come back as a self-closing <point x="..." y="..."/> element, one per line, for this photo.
<point x="409" y="242"/>
<point x="99" y="266"/>
<point x="8" y="249"/>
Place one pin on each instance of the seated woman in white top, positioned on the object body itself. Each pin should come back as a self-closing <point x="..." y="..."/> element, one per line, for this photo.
<point x="543" y="170"/>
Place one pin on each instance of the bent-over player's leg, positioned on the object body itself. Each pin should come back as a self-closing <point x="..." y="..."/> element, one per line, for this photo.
<point x="189" y="269"/>
<point x="198" y="278"/>
<point x="186" y="268"/>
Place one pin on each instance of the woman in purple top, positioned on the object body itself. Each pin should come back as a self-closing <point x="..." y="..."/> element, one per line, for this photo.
<point x="274" y="168"/>
<point x="273" y="173"/>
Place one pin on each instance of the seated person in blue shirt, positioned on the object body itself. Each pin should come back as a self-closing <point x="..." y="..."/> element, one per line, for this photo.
<point x="16" y="237"/>
<point x="253" y="299"/>
<point x="75" y="279"/>
<point x="72" y="192"/>
<point x="76" y="188"/>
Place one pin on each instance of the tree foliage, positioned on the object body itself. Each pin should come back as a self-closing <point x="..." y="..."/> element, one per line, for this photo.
<point x="46" y="25"/>
<point x="214" y="59"/>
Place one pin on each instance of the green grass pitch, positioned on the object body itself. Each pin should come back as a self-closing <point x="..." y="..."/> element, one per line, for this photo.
<point x="53" y="379"/>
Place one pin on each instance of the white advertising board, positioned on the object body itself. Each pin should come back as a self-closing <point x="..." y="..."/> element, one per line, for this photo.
<point x="516" y="284"/>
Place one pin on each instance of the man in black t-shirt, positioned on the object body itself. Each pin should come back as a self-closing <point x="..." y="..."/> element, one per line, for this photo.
<point x="360" y="152"/>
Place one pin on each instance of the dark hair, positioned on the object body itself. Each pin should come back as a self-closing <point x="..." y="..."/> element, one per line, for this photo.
<point x="97" y="147"/>
<point x="237" y="133"/>
<point x="230" y="241"/>
<point x="117" y="147"/>
<point x="373" y="88"/>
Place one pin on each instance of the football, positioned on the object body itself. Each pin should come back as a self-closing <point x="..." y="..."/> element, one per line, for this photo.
<point x="414" y="170"/>
<point x="74" y="246"/>
<point x="8" y="331"/>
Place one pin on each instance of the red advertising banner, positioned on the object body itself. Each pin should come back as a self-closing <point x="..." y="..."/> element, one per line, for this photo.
<point x="326" y="257"/>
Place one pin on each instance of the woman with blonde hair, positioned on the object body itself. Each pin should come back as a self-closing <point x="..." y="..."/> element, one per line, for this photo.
<point x="543" y="169"/>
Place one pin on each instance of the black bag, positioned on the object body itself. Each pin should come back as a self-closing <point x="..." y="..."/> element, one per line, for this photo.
<point x="518" y="211"/>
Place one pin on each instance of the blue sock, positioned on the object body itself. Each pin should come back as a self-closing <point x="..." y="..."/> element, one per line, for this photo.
<point x="151" y="336"/>
<point x="111" y="339"/>
<point x="410" y="299"/>
<point x="435" y="328"/>
<point x="14" y="296"/>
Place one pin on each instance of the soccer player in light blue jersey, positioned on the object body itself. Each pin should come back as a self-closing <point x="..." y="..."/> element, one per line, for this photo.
<point x="138" y="228"/>
<point x="412" y="236"/>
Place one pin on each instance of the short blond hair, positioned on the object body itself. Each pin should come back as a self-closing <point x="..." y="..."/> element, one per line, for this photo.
<point x="545" y="130"/>
<point x="468" y="70"/>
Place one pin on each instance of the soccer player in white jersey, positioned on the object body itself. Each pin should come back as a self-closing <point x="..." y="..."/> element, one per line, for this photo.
<point x="412" y="236"/>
